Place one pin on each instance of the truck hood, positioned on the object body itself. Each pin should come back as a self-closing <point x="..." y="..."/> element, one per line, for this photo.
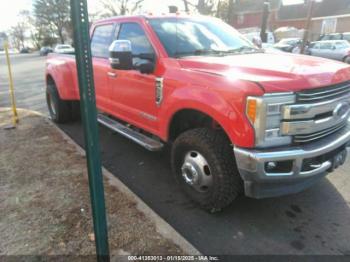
<point x="274" y="72"/>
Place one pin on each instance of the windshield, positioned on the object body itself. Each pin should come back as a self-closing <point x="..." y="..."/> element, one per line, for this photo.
<point x="188" y="37"/>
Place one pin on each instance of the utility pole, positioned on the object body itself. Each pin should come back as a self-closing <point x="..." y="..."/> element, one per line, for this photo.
<point x="187" y="9"/>
<point x="265" y="18"/>
<point x="310" y="9"/>
<point x="80" y="19"/>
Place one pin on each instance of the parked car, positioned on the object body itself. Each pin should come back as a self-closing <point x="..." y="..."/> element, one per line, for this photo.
<point x="64" y="49"/>
<point x="236" y="119"/>
<point x="254" y="36"/>
<point x="333" y="49"/>
<point x="45" y="50"/>
<point x="335" y="36"/>
<point x="270" y="48"/>
<point x="288" y="44"/>
<point x="24" y="50"/>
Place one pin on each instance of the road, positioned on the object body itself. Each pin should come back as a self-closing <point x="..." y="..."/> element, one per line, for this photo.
<point x="315" y="221"/>
<point x="28" y="71"/>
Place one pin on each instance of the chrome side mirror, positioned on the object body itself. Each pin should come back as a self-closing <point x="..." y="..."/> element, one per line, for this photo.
<point x="120" y="55"/>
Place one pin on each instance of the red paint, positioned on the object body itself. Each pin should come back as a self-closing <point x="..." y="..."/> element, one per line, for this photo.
<point x="216" y="86"/>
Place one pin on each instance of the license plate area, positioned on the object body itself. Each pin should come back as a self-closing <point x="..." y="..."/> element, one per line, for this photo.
<point x="336" y="157"/>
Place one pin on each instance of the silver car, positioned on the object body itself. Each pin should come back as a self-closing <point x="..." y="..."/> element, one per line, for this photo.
<point x="333" y="49"/>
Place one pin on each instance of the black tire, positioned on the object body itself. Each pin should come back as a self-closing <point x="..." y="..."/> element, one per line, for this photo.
<point x="215" y="147"/>
<point x="60" y="110"/>
<point x="75" y="107"/>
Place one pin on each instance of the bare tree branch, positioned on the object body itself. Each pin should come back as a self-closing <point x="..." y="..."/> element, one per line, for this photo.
<point x="120" y="7"/>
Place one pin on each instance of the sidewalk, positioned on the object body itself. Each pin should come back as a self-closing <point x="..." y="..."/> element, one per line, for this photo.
<point x="44" y="198"/>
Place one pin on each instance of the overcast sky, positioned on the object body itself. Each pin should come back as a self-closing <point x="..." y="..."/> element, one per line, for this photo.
<point x="9" y="11"/>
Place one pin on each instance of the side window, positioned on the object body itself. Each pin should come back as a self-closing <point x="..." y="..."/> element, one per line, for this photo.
<point x="326" y="46"/>
<point x="339" y="45"/>
<point x="101" y="40"/>
<point x="138" y="38"/>
<point x="347" y="36"/>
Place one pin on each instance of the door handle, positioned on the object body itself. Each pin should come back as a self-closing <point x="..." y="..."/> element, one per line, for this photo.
<point x="112" y="75"/>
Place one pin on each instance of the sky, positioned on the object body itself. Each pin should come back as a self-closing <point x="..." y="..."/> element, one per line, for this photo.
<point x="9" y="12"/>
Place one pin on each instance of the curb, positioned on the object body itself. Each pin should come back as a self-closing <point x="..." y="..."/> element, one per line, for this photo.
<point x="162" y="227"/>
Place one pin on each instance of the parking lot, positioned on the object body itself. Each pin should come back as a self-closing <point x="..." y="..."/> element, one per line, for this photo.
<point x="312" y="222"/>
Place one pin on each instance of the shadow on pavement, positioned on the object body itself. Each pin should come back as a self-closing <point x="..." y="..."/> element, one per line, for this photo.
<point x="313" y="222"/>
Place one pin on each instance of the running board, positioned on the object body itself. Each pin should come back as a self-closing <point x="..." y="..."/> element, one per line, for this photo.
<point x="141" y="139"/>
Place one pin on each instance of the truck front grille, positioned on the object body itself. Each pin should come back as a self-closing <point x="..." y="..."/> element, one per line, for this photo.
<point x="324" y="93"/>
<point x="301" y="139"/>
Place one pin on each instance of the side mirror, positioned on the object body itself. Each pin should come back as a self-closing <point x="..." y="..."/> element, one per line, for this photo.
<point x="146" y="68"/>
<point x="120" y="55"/>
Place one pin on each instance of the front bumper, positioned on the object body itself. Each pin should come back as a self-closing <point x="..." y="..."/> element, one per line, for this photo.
<point x="295" y="175"/>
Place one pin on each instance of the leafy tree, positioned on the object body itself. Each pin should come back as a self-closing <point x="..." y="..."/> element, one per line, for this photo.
<point x="55" y="15"/>
<point x="119" y="7"/>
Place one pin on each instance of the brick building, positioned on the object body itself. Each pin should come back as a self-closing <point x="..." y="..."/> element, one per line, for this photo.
<point x="329" y="16"/>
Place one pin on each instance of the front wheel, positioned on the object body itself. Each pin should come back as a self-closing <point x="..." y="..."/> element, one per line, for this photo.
<point x="204" y="166"/>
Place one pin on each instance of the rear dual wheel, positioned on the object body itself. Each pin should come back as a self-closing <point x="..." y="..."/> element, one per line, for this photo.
<point x="204" y="166"/>
<point x="61" y="111"/>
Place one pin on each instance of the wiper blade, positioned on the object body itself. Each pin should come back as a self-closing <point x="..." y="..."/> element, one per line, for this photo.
<point x="242" y="49"/>
<point x="198" y="52"/>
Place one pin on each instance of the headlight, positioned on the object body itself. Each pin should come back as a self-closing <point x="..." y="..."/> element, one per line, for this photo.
<point x="265" y="114"/>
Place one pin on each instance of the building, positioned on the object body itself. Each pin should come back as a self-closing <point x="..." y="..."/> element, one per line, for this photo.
<point x="249" y="13"/>
<point x="329" y="16"/>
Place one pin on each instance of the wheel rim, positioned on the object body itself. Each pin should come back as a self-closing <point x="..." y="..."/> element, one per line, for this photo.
<point x="51" y="104"/>
<point x="196" y="172"/>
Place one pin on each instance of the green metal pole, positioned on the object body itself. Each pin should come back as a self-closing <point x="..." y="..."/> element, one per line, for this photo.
<point x="80" y="20"/>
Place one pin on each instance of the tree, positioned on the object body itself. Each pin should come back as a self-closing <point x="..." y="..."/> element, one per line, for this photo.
<point x="218" y="8"/>
<point x="54" y="15"/>
<point x="19" y="32"/>
<point x="119" y="7"/>
<point x="206" y="7"/>
<point x="230" y="10"/>
<point x="186" y="4"/>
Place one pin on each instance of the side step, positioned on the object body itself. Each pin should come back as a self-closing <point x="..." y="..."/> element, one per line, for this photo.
<point x="141" y="139"/>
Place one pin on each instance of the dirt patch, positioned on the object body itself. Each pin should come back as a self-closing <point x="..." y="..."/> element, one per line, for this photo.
<point x="44" y="198"/>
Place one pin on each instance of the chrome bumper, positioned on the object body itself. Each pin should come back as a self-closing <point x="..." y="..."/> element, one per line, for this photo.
<point x="251" y="162"/>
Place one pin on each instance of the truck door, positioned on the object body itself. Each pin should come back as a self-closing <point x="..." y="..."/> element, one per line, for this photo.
<point x="101" y="39"/>
<point x="133" y="94"/>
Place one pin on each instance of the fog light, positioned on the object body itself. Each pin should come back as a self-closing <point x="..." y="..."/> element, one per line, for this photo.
<point x="270" y="166"/>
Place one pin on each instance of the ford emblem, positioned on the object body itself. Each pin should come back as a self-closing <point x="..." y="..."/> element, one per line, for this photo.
<point x="341" y="110"/>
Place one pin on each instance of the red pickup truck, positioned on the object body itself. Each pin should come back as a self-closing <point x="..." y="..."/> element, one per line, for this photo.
<point x="238" y="119"/>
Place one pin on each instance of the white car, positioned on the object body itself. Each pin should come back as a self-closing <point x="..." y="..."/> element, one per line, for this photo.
<point x="64" y="49"/>
<point x="332" y="49"/>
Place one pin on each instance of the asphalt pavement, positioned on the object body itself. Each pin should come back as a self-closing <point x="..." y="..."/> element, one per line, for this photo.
<point x="314" y="222"/>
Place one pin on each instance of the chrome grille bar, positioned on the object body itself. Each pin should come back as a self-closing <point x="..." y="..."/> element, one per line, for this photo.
<point x="318" y="135"/>
<point x="321" y="94"/>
